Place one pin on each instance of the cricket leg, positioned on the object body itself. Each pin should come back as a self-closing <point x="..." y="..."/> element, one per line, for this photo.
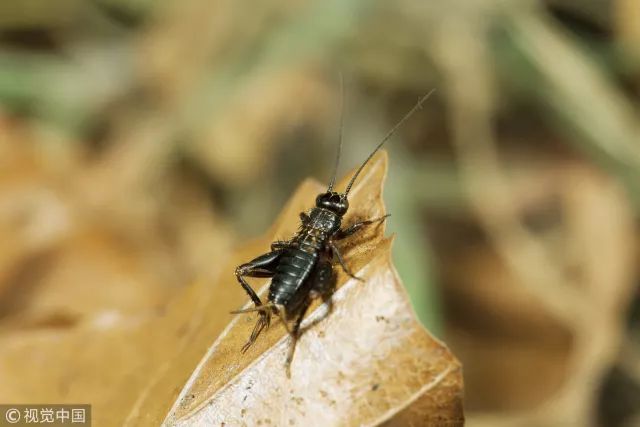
<point x="304" y="217"/>
<point x="278" y="245"/>
<point x="324" y="284"/>
<point x="295" y="334"/>
<point x="338" y="255"/>
<point x="353" y="228"/>
<point x="262" y="266"/>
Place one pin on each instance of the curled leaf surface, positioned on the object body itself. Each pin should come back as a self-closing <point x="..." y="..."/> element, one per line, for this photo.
<point x="368" y="362"/>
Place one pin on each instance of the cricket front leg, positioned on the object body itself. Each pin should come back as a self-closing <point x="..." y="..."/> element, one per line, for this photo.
<point x="346" y="232"/>
<point x="354" y="228"/>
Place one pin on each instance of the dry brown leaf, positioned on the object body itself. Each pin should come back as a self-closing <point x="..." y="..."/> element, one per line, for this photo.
<point x="57" y="267"/>
<point x="367" y="363"/>
<point x="84" y="304"/>
<point x="132" y="369"/>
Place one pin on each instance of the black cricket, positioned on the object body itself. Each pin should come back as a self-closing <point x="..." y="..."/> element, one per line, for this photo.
<point x="301" y="269"/>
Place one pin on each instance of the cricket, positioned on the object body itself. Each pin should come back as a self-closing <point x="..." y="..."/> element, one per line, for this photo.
<point x="301" y="268"/>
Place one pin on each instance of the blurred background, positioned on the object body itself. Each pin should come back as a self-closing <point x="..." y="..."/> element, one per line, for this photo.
<point x="142" y="141"/>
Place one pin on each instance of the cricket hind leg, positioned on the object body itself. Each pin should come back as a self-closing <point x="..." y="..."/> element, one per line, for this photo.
<point x="262" y="323"/>
<point x="323" y="286"/>
<point x="295" y="333"/>
<point x="266" y="311"/>
<point x="281" y="244"/>
<point x="263" y="307"/>
<point x="262" y="266"/>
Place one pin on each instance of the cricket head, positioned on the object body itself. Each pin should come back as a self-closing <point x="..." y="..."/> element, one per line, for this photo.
<point x="333" y="201"/>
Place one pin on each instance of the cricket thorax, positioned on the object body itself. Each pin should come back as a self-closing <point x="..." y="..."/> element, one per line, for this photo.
<point x="323" y="221"/>
<point x="317" y="228"/>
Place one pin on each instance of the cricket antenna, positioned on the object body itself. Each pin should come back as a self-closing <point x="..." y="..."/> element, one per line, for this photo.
<point x="335" y="168"/>
<point x="387" y="137"/>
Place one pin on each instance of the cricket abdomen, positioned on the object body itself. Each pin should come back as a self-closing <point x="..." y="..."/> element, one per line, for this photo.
<point x="292" y="271"/>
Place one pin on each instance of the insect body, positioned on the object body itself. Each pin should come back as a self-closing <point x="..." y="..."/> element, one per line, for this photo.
<point x="301" y="269"/>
